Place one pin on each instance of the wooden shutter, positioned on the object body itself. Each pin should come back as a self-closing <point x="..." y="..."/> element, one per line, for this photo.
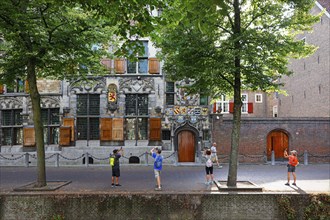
<point x="155" y="129"/>
<point x="105" y="129"/>
<point x="69" y="122"/>
<point x="65" y="136"/>
<point x="250" y="107"/>
<point x="214" y="107"/>
<point x="118" y="129"/>
<point x="29" y="137"/>
<point x="120" y="66"/>
<point x="231" y="107"/>
<point x="153" y="66"/>
<point x="2" y="89"/>
<point x="107" y="63"/>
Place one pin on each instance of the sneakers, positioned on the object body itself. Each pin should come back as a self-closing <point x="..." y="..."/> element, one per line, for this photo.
<point x="209" y="183"/>
<point x="112" y="185"/>
<point x="219" y="167"/>
<point x="118" y="185"/>
<point x="288" y="184"/>
<point x="158" y="188"/>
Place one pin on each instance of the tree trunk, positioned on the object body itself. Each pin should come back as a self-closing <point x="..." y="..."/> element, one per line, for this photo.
<point x="38" y="126"/>
<point x="235" y="134"/>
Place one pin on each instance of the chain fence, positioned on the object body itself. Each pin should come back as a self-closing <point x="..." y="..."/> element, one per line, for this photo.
<point x="144" y="158"/>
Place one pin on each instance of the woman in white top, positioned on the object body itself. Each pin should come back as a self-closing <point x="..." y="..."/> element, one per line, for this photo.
<point x="214" y="155"/>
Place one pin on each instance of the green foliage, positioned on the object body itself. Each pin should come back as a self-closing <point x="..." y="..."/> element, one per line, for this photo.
<point x="57" y="217"/>
<point x="285" y="206"/>
<point x="200" y="40"/>
<point x="59" y="35"/>
<point x="319" y="207"/>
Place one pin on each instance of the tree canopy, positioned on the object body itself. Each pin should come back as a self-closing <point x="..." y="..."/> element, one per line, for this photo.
<point x="227" y="46"/>
<point x="54" y="39"/>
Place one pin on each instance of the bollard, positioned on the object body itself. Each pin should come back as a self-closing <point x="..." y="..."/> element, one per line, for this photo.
<point x="305" y="157"/>
<point x="27" y="159"/>
<point x="146" y="158"/>
<point x="57" y="160"/>
<point x="265" y="157"/>
<point x="273" y="158"/>
<point x="86" y="159"/>
<point x="176" y="158"/>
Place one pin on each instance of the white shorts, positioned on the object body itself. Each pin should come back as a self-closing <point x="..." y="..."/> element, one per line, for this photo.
<point x="157" y="173"/>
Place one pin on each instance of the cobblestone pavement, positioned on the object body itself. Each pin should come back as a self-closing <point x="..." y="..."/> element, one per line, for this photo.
<point x="313" y="178"/>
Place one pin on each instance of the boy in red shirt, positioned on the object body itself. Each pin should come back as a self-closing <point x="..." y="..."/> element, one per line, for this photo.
<point x="293" y="162"/>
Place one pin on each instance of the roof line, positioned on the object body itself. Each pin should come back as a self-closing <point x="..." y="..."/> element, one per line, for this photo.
<point x="322" y="8"/>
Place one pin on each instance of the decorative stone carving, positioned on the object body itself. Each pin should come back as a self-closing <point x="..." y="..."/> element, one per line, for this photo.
<point x="134" y="85"/>
<point x="95" y="84"/>
<point x="11" y="103"/>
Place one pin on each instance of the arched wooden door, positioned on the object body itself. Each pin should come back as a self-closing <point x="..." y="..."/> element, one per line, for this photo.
<point x="277" y="141"/>
<point x="186" y="146"/>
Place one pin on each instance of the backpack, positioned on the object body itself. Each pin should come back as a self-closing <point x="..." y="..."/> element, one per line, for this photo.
<point x="209" y="162"/>
<point x="112" y="160"/>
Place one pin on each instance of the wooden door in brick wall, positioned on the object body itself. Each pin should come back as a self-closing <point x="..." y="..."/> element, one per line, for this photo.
<point x="277" y="141"/>
<point x="186" y="146"/>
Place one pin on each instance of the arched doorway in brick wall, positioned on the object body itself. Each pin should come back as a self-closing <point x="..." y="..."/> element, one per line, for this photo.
<point x="277" y="141"/>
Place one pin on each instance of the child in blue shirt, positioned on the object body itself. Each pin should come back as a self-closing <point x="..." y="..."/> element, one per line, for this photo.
<point x="158" y="165"/>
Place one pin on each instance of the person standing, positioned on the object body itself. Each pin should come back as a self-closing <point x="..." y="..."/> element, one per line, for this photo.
<point x="158" y="165"/>
<point x="208" y="167"/>
<point x="214" y="156"/>
<point x="293" y="162"/>
<point x="114" y="161"/>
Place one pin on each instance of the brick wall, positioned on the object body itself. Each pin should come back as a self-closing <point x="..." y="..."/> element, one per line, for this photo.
<point x="311" y="134"/>
<point x="309" y="87"/>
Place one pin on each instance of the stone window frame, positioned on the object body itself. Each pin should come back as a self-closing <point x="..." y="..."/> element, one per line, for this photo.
<point x="258" y="98"/>
<point x="145" y="56"/>
<point x="245" y="107"/>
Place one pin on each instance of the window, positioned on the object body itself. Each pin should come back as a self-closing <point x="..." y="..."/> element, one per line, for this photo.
<point x="17" y="88"/>
<point x="245" y="103"/>
<point x="258" y="98"/>
<point x="136" y="116"/>
<point x="275" y="112"/>
<point x="222" y="105"/>
<point x="140" y="66"/>
<point x="11" y="127"/>
<point x="166" y="135"/>
<point x="51" y="120"/>
<point x="88" y="116"/>
<point x="203" y="100"/>
<point x="170" y="93"/>
<point x="206" y="135"/>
